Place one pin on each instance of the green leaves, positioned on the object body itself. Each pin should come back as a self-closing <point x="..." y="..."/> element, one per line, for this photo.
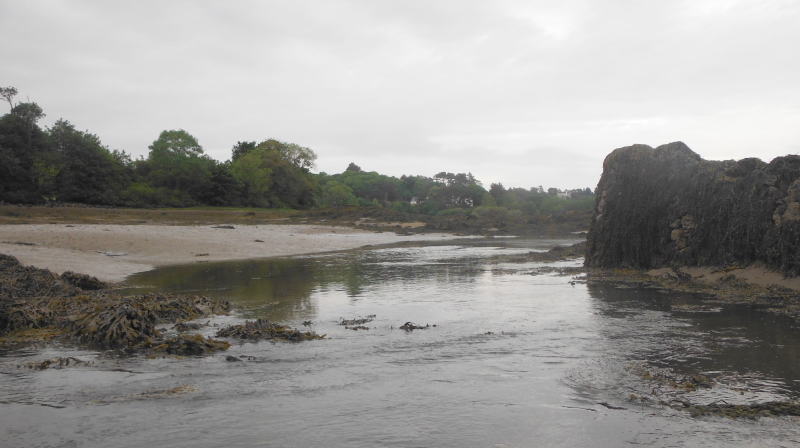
<point x="177" y="142"/>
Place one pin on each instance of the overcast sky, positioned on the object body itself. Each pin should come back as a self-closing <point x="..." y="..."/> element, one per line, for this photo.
<point x="526" y="93"/>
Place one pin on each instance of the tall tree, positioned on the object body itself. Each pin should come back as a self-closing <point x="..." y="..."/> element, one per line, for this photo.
<point x="83" y="170"/>
<point x="177" y="142"/>
<point x="22" y="142"/>
<point x="8" y="94"/>
<point x="241" y="148"/>
<point x="177" y="166"/>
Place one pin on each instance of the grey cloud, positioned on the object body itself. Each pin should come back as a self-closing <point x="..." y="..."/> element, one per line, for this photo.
<point x="406" y="86"/>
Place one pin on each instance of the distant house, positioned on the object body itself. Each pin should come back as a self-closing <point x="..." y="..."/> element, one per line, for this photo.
<point x="415" y="200"/>
<point x="564" y="194"/>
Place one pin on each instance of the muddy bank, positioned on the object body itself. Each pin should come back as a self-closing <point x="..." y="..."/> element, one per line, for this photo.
<point x="668" y="207"/>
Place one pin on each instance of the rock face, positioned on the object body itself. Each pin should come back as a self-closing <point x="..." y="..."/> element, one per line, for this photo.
<point x="667" y="206"/>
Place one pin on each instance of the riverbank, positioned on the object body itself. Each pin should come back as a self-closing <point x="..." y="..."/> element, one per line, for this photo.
<point x="111" y="252"/>
<point x="753" y="285"/>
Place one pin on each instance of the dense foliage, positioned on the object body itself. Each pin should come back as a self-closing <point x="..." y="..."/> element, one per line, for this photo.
<point x="62" y="164"/>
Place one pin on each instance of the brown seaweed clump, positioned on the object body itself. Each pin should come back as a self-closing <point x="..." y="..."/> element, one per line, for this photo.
<point x="190" y="344"/>
<point x="83" y="281"/>
<point x="358" y="321"/>
<point x="35" y="305"/>
<point x="751" y="411"/>
<point x="131" y="322"/>
<point x="264" y="329"/>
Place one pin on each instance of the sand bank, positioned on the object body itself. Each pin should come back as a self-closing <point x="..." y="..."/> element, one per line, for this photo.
<point x="113" y="252"/>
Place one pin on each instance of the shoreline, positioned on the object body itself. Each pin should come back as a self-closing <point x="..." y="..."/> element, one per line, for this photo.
<point x="753" y="285"/>
<point x="112" y="252"/>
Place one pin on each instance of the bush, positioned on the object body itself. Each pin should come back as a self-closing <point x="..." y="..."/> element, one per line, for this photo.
<point x="490" y="212"/>
<point x="452" y="211"/>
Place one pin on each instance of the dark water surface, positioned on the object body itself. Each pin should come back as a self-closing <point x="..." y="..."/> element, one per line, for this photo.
<point x="519" y="357"/>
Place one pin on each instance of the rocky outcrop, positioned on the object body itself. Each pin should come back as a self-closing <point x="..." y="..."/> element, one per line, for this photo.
<point x="667" y="207"/>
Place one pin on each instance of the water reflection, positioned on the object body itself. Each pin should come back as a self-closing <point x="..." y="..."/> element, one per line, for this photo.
<point x="687" y="334"/>
<point x="282" y="289"/>
<point x="518" y="358"/>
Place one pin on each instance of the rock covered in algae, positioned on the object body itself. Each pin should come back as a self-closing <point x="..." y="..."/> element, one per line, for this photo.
<point x="115" y="327"/>
<point x="83" y="281"/>
<point x="35" y="299"/>
<point x="32" y="298"/>
<point x="667" y="206"/>
<point x="264" y="329"/>
<point x="132" y="320"/>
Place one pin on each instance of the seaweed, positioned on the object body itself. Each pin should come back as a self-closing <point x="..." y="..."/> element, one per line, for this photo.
<point x="264" y="329"/>
<point x="83" y="281"/>
<point x="35" y="305"/>
<point x="358" y="321"/>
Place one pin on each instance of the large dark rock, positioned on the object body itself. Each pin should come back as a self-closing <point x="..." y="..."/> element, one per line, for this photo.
<point x="667" y="206"/>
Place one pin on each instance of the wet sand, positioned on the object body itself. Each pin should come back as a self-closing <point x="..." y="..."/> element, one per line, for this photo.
<point x="113" y="252"/>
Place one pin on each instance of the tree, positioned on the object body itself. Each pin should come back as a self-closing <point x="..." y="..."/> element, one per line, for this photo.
<point x="22" y="142"/>
<point x="241" y="148"/>
<point x="223" y="188"/>
<point x="353" y="167"/>
<point x="177" y="142"/>
<point x="80" y="167"/>
<point x="488" y="201"/>
<point x="336" y="194"/>
<point x="8" y="94"/>
<point x="497" y="190"/>
<point x="299" y="156"/>
<point x="177" y="167"/>
<point x="253" y="172"/>
<point x="275" y="173"/>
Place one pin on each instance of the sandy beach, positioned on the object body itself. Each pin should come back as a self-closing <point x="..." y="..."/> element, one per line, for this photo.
<point x="113" y="252"/>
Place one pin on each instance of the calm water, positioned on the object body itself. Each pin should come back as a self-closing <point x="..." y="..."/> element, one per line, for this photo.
<point x="519" y="357"/>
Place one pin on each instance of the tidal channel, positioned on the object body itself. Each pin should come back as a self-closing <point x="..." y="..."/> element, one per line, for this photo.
<point x="513" y="354"/>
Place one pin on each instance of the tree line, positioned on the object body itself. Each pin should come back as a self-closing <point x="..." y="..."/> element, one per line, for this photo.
<point x="63" y="164"/>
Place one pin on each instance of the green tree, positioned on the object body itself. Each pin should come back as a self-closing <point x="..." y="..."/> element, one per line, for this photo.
<point x="175" y="143"/>
<point x="252" y="171"/>
<point x="241" y="148"/>
<point x="223" y="188"/>
<point x="336" y="194"/>
<point x="83" y="170"/>
<point x="22" y="143"/>
<point x="177" y="167"/>
<point x="8" y="94"/>
<point x="275" y="173"/>
<point x="497" y="190"/>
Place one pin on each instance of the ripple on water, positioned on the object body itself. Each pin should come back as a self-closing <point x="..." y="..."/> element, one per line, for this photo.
<point x="516" y="359"/>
